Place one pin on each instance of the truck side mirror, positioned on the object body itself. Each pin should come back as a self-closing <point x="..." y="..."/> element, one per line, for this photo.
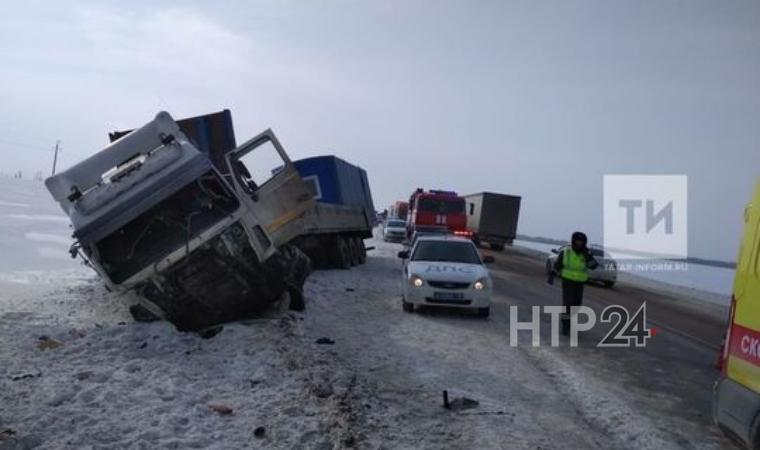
<point x="403" y="254"/>
<point x="488" y="259"/>
<point x="555" y="251"/>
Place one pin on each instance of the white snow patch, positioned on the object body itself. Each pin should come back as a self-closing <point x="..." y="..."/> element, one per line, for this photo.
<point x="48" y="238"/>
<point x="15" y="205"/>
<point x="39" y="217"/>
<point x="53" y="253"/>
<point x="63" y="278"/>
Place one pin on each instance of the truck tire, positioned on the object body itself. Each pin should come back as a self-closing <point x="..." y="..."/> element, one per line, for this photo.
<point x="497" y="247"/>
<point x="342" y="253"/>
<point x="484" y="312"/>
<point x="354" y="250"/>
<point x="297" y="302"/>
<point x="406" y="306"/>
<point x="754" y="433"/>
<point x="362" y="250"/>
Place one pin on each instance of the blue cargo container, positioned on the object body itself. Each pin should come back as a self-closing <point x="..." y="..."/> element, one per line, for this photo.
<point x="335" y="181"/>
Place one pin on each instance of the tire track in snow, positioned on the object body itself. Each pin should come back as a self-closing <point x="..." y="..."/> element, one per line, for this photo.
<point x="600" y="406"/>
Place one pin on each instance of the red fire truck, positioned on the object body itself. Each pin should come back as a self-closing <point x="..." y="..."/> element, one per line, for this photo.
<point x="399" y="210"/>
<point x="436" y="211"/>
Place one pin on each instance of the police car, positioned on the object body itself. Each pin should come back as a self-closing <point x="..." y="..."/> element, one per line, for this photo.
<point x="446" y="271"/>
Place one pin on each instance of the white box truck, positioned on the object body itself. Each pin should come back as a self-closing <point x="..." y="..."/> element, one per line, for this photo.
<point x="492" y="218"/>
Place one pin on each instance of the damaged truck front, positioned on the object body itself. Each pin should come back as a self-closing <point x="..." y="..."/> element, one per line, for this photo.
<point x="152" y="214"/>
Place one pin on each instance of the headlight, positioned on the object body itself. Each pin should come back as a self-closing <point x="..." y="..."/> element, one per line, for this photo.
<point x="416" y="281"/>
<point x="480" y="284"/>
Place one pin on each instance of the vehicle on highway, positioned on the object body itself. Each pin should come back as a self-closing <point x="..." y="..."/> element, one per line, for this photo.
<point x="436" y="208"/>
<point x="736" y="399"/>
<point x="492" y="218"/>
<point x="606" y="273"/>
<point x="427" y="231"/>
<point x="399" y="210"/>
<point x="394" y="230"/>
<point x="446" y="271"/>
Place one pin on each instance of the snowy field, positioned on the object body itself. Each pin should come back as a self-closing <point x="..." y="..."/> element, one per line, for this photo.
<point x="715" y="280"/>
<point x="78" y="373"/>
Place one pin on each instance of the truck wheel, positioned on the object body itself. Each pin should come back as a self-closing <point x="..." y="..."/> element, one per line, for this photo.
<point x="754" y="433"/>
<point x="353" y="251"/>
<point x="497" y="247"/>
<point x="484" y="312"/>
<point x="609" y="284"/>
<point x="297" y="302"/>
<point x="342" y="254"/>
<point x="362" y="250"/>
<point x="408" y="307"/>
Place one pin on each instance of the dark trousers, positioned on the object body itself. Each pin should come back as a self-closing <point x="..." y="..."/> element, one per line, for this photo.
<point x="572" y="295"/>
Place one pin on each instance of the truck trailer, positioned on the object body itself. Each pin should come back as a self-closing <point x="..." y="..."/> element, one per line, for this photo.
<point x="343" y="215"/>
<point x="492" y="218"/>
<point x="202" y="236"/>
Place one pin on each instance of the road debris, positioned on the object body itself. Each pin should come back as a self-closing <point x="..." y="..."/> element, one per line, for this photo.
<point x="459" y="403"/>
<point x="7" y="433"/>
<point x="48" y="343"/>
<point x="222" y="410"/>
<point x="26" y="375"/>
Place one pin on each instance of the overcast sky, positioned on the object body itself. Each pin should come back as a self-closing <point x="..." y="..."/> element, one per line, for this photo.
<point x="538" y="99"/>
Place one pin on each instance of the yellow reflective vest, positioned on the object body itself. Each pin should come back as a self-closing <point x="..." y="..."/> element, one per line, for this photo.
<point x="574" y="266"/>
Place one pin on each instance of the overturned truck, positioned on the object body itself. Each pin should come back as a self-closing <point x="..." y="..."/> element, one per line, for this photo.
<point x="202" y="233"/>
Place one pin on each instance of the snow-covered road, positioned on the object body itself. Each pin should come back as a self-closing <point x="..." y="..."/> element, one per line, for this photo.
<point x="110" y="383"/>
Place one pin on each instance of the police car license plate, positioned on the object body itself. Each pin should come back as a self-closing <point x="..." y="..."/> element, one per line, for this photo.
<point x="448" y="296"/>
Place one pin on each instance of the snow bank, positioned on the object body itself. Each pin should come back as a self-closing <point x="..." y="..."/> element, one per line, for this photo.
<point x="707" y="283"/>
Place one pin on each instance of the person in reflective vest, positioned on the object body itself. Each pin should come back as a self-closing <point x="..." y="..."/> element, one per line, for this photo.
<point x="572" y="265"/>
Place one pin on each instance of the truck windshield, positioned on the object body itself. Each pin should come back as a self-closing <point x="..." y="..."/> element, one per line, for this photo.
<point x="446" y="251"/>
<point x="442" y="206"/>
<point x="396" y="224"/>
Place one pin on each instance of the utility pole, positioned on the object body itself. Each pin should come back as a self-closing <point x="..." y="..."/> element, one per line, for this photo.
<point x="55" y="155"/>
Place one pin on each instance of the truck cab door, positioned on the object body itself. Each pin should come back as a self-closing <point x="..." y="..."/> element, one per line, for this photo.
<point x="271" y="187"/>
